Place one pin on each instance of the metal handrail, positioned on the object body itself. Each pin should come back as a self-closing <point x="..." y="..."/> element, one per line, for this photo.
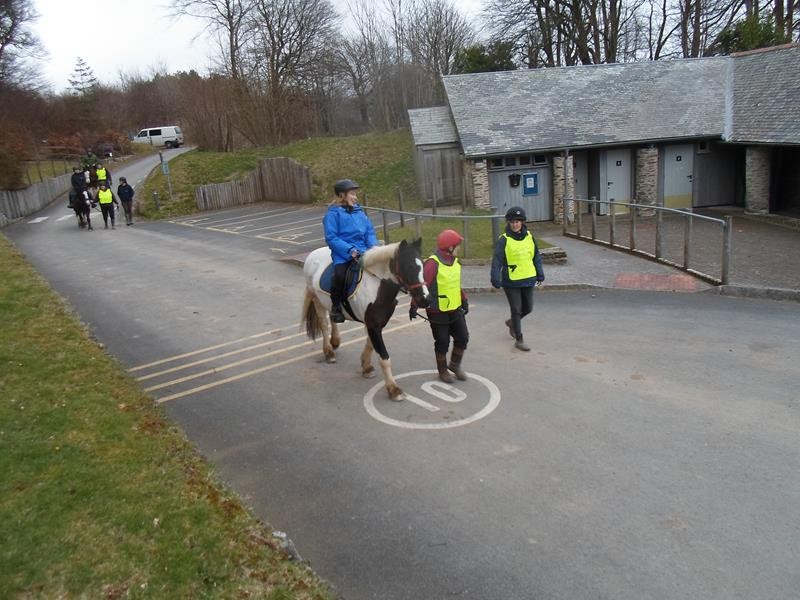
<point x="418" y="217"/>
<point x="658" y="254"/>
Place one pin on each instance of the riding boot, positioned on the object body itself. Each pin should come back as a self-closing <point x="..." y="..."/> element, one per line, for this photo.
<point x="441" y="365"/>
<point x="337" y="316"/>
<point x="455" y="363"/>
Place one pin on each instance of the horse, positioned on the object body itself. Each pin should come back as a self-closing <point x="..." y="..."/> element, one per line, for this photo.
<point x="82" y="205"/>
<point x="386" y="270"/>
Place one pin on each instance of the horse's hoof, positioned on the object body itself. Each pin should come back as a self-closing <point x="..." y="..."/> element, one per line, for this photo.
<point x="395" y="393"/>
<point x="330" y="359"/>
<point x="368" y="373"/>
<point x="399" y="398"/>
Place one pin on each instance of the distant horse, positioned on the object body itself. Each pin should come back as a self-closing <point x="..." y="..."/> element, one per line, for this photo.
<point x="82" y="205"/>
<point x="386" y="271"/>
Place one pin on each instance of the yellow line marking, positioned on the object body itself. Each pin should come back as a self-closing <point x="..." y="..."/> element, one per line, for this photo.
<point x="201" y="350"/>
<point x="223" y="355"/>
<point x="214" y="384"/>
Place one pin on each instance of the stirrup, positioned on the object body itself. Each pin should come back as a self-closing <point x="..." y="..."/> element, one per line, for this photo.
<point x="337" y="316"/>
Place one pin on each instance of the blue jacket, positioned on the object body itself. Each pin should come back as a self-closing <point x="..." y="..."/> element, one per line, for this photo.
<point x="500" y="268"/>
<point x="347" y="230"/>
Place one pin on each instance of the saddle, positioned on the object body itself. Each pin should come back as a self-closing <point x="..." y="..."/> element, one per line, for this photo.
<point x="351" y="279"/>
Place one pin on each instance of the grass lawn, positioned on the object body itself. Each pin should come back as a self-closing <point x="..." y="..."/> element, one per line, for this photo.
<point x="100" y="496"/>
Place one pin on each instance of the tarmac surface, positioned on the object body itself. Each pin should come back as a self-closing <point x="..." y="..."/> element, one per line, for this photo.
<point x="765" y="251"/>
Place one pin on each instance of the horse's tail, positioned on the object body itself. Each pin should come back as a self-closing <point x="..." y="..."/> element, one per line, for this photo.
<point x="310" y="316"/>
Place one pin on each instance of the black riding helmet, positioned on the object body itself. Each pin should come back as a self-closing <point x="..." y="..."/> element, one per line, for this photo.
<point x="515" y="213"/>
<point x="345" y="185"/>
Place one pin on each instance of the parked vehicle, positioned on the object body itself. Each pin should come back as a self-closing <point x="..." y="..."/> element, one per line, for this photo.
<point x="170" y="136"/>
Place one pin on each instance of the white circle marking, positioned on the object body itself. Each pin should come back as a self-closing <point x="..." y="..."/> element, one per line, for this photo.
<point x="494" y="401"/>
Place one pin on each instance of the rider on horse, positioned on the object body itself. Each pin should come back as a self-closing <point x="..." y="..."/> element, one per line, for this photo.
<point x="349" y="233"/>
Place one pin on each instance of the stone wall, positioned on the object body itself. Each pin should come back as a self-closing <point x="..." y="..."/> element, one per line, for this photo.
<point x="646" y="191"/>
<point x="563" y="187"/>
<point x="757" y="177"/>
<point x="479" y="176"/>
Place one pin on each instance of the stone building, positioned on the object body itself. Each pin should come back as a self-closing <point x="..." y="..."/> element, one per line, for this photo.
<point x="681" y="133"/>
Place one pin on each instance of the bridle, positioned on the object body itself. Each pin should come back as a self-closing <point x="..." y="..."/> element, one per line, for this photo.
<point x="405" y="286"/>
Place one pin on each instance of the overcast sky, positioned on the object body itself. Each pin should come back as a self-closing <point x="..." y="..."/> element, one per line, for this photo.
<point x="128" y="36"/>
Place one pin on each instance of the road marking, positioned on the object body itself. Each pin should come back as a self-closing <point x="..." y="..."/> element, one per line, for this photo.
<point x="65" y="217"/>
<point x="38" y="220"/>
<point x="441" y="390"/>
<point x="266" y="368"/>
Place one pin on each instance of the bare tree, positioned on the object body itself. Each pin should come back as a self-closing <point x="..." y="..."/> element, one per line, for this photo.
<point x="17" y="41"/>
<point x="440" y="31"/>
<point x="291" y="42"/>
<point x="365" y="57"/>
<point x="226" y="18"/>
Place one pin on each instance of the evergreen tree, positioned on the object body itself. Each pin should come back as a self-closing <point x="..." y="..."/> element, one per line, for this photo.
<point x="83" y="82"/>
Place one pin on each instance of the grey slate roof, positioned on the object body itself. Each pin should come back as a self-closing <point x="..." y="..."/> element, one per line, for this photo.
<point x="751" y="97"/>
<point x="571" y="107"/>
<point x="766" y="97"/>
<point x="432" y="125"/>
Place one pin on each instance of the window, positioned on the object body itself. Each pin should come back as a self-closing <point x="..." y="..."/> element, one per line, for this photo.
<point x="495" y="163"/>
<point x="524" y="160"/>
<point x="511" y="161"/>
<point x="539" y="159"/>
<point x="155" y="132"/>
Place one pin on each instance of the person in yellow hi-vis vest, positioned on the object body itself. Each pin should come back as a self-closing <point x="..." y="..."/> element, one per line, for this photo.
<point x="103" y="174"/>
<point x="107" y="201"/>
<point x="449" y="305"/>
<point x="517" y="268"/>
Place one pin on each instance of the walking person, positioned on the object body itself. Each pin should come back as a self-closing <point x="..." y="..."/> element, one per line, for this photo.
<point x="349" y="233"/>
<point x="125" y="194"/>
<point x="108" y="201"/>
<point x="449" y="306"/>
<point x="517" y="268"/>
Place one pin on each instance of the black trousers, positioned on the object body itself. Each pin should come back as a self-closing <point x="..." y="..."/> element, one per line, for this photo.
<point x="520" y="301"/>
<point x="107" y="210"/>
<point x="338" y="292"/>
<point x="445" y="325"/>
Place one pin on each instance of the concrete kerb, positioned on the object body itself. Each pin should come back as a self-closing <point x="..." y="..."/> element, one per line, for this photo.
<point x="743" y="291"/>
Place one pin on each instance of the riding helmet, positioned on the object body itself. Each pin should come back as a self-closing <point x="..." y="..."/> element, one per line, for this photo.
<point x="449" y="238"/>
<point x="515" y="213"/>
<point x="345" y="185"/>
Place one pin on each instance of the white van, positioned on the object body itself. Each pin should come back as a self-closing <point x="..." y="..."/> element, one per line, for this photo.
<point x="170" y="136"/>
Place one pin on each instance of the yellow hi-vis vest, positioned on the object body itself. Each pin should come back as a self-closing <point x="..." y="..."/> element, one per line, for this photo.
<point x="101" y="174"/>
<point x="448" y="285"/>
<point x="105" y="197"/>
<point x="519" y="257"/>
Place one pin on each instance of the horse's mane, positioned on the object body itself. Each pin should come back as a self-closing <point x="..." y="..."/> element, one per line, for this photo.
<point x="380" y="255"/>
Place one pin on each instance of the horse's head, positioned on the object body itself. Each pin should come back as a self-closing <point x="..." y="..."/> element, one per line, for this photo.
<point x="408" y="266"/>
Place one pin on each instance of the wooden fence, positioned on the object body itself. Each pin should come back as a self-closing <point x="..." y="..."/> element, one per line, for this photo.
<point x="15" y="204"/>
<point x="277" y="179"/>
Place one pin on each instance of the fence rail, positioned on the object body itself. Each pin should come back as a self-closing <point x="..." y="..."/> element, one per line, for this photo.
<point x="15" y="204"/>
<point x="673" y="234"/>
<point x="277" y="179"/>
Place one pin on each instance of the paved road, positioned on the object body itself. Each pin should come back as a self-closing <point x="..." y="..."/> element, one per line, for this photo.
<point x="646" y="448"/>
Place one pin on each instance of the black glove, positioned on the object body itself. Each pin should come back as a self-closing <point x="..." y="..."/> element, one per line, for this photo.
<point x="412" y="312"/>
<point x="465" y="307"/>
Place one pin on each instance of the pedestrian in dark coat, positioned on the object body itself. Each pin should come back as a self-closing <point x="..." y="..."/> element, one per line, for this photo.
<point x="125" y="194"/>
<point x="517" y="268"/>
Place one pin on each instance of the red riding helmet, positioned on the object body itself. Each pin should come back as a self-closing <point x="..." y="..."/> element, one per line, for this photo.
<point x="448" y="239"/>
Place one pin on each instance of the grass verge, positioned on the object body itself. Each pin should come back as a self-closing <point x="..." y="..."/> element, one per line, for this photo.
<point x="380" y="162"/>
<point x="100" y="496"/>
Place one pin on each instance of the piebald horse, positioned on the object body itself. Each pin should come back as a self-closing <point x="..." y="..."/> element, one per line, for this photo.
<point x="386" y="271"/>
